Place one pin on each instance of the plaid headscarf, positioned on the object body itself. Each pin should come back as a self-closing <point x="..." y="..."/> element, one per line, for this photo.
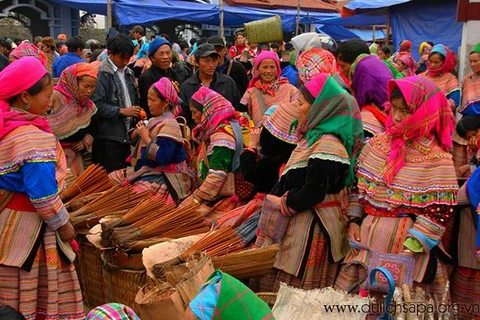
<point x="112" y="311"/>
<point x="29" y="50"/>
<point x="449" y="63"/>
<point x="168" y="91"/>
<point x="68" y="83"/>
<point x="408" y="61"/>
<point x="224" y="297"/>
<point x="216" y="111"/>
<point x="336" y="112"/>
<point x="314" y="61"/>
<point x="431" y="118"/>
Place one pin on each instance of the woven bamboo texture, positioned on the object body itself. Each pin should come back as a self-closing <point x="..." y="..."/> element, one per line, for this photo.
<point x="265" y="30"/>
<point x="121" y="285"/>
<point x="268" y="297"/>
<point x="90" y="272"/>
<point x="253" y="263"/>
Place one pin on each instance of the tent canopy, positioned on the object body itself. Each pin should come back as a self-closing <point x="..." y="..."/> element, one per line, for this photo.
<point x="130" y="12"/>
<point x="432" y="21"/>
<point x="92" y="6"/>
<point x="341" y="33"/>
<point x="372" y="4"/>
<point x="374" y="17"/>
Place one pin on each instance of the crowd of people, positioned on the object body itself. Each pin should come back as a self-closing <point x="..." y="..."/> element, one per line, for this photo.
<point x="345" y="155"/>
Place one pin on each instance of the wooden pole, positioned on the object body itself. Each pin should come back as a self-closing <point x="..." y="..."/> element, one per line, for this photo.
<point x="297" y="29"/>
<point x="373" y="37"/>
<point x="222" y="29"/>
<point x="109" y="14"/>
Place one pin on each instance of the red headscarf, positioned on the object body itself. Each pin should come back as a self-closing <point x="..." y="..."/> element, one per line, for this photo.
<point x="29" y="50"/>
<point x="68" y="83"/>
<point x="449" y="63"/>
<point x="431" y="118"/>
<point x="10" y="86"/>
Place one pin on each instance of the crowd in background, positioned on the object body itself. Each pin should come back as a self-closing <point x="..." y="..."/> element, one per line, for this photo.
<point x="339" y="152"/>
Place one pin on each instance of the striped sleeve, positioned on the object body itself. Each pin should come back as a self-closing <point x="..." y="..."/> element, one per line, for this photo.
<point x="42" y="188"/>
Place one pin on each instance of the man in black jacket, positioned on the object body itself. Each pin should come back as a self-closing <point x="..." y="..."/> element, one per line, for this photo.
<point x="115" y="97"/>
<point x="160" y="53"/>
<point x="229" y="66"/>
<point x="206" y="61"/>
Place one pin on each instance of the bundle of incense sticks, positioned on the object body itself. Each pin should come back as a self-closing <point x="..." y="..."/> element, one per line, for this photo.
<point x="149" y="209"/>
<point x="116" y="201"/>
<point x="218" y="243"/>
<point x="93" y="180"/>
<point x="177" y="223"/>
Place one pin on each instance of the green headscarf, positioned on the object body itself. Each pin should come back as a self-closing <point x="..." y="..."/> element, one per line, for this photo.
<point x="336" y="112"/>
<point x="476" y="49"/>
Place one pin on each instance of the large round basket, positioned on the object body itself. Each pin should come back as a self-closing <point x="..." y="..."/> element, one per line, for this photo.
<point x="89" y="267"/>
<point x="268" y="297"/>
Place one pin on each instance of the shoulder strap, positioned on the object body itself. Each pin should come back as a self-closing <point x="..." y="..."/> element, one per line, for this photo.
<point x="260" y="100"/>
<point x="238" y="144"/>
<point x="229" y="69"/>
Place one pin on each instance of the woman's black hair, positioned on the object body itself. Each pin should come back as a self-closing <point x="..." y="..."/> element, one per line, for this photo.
<point x="349" y="51"/>
<point x="466" y="124"/>
<point x="442" y="57"/>
<point x="120" y="44"/>
<point x="308" y="96"/>
<point x="36" y="88"/>
<point x="396" y="94"/>
<point x="196" y="104"/>
<point x="386" y="49"/>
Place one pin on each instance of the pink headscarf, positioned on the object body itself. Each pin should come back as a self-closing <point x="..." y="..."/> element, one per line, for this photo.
<point x="216" y="111"/>
<point x="315" y="85"/>
<point x="167" y="90"/>
<point x="264" y="55"/>
<point x="408" y="61"/>
<point x="431" y="118"/>
<point x="29" y="50"/>
<point x="10" y="86"/>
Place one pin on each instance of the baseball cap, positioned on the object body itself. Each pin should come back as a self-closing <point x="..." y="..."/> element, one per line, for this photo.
<point x="205" y="50"/>
<point x="216" y="42"/>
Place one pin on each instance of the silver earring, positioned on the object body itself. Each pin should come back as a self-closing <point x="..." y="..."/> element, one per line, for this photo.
<point x="26" y="106"/>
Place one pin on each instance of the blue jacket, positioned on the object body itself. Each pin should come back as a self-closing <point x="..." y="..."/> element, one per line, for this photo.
<point x="64" y="62"/>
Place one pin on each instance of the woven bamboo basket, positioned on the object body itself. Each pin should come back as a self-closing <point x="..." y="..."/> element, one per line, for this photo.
<point x="121" y="285"/>
<point x="265" y="30"/>
<point x="268" y="297"/>
<point x="253" y="263"/>
<point x="90" y="272"/>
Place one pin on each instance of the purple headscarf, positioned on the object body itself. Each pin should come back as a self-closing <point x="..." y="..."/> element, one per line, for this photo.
<point x="369" y="81"/>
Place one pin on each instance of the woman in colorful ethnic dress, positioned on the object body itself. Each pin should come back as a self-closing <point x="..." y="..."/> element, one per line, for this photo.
<point x="407" y="186"/>
<point x="72" y="111"/>
<point x="305" y="209"/>
<point x="267" y="88"/>
<point x="470" y="106"/>
<point x="405" y="64"/>
<point x="441" y="62"/>
<point x="466" y="275"/>
<point x="221" y="143"/>
<point x="37" y="276"/>
<point x="28" y="50"/>
<point x="159" y="158"/>
<point x="369" y="76"/>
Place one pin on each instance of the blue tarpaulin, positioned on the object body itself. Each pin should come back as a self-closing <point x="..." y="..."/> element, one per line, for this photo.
<point x="372" y="4"/>
<point x="341" y="33"/>
<point x="419" y="21"/>
<point x="375" y="17"/>
<point x="130" y="12"/>
<point x="92" y="6"/>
